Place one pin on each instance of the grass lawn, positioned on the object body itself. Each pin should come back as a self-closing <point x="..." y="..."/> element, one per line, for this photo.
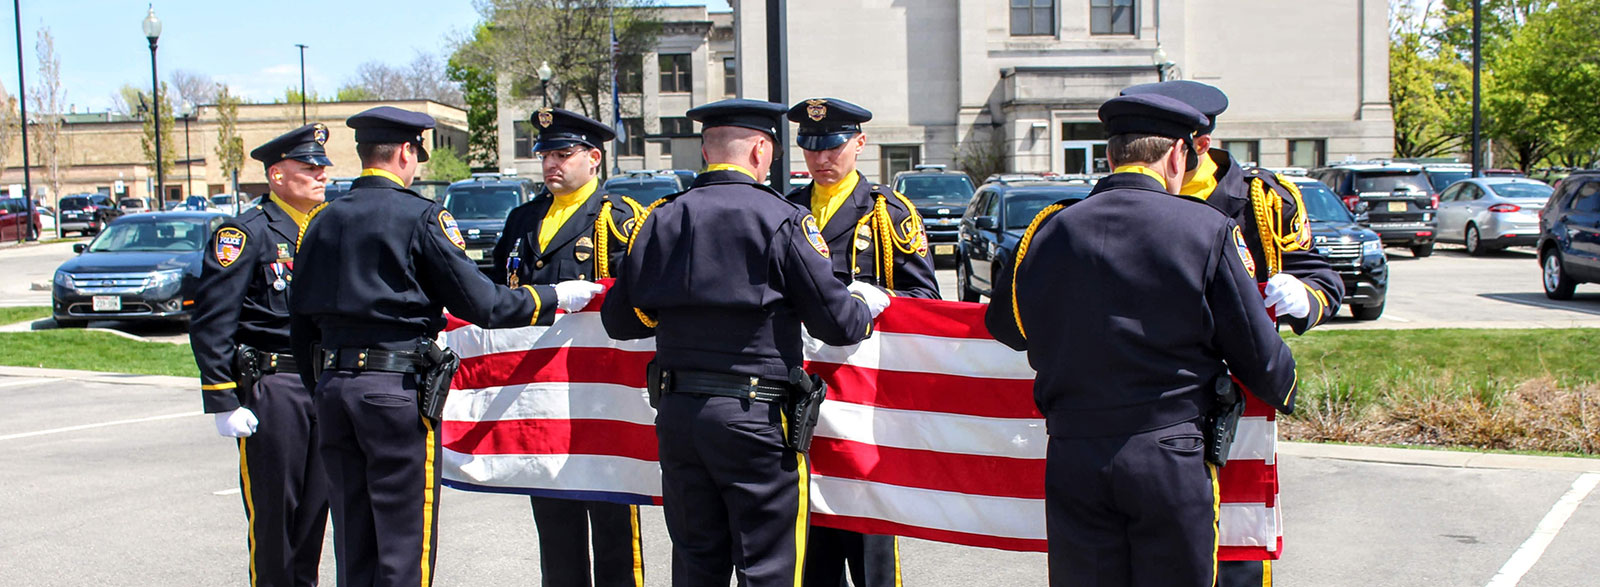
<point x="22" y="314"/>
<point x="95" y="351"/>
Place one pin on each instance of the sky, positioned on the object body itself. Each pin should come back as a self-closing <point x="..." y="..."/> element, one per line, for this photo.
<point x="248" y="45"/>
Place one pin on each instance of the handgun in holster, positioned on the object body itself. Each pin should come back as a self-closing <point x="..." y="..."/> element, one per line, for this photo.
<point x="804" y="407"/>
<point x="656" y="382"/>
<point x="433" y="386"/>
<point x="247" y="367"/>
<point x="1222" y="422"/>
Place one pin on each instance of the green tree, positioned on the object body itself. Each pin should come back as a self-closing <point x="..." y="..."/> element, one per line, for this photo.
<point x="475" y="74"/>
<point x="169" y="155"/>
<point x="230" y="146"/>
<point x="444" y="165"/>
<point x="1429" y="90"/>
<point x="354" y="94"/>
<point x="1539" y="97"/>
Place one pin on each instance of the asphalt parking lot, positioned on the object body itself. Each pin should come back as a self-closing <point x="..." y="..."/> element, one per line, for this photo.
<point x="120" y="480"/>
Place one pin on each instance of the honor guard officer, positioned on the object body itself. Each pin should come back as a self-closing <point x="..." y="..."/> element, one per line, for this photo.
<point x="876" y="236"/>
<point x="724" y="276"/>
<point x="378" y="267"/>
<point x="574" y="231"/>
<point x="1298" y="282"/>
<point x="240" y="336"/>
<point x="1133" y="305"/>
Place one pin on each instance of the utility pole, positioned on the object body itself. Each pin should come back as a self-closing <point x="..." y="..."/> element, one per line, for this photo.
<point x="778" y="88"/>
<point x="302" y="47"/>
<point x="22" y="102"/>
<point x="1477" y="88"/>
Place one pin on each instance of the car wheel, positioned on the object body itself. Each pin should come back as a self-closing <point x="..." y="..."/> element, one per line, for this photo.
<point x="964" y="281"/>
<point x="1557" y="284"/>
<point x="1420" y="251"/>
<point x="1368" y="312"/>
<point x="1474" y="241"/>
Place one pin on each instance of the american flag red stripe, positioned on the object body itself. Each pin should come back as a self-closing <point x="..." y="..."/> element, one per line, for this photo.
<point x="929" y="430"/>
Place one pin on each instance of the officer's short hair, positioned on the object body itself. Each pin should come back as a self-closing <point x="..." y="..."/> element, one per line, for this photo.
<point x="1123" y="149"/>
<point x="376" y="152"/>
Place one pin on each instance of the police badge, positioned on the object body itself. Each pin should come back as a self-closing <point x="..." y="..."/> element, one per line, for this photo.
<point x="546" y="118"/>
<point x="319" y="133"/>
<point x="583" y="249"/>
<point x="816" y="109"/>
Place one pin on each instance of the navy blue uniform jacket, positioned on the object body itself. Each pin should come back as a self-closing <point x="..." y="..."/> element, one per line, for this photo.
<point x="572" y="252"/>
<point x="730" y="270"/>
<point x="855" y="246"/>
<point x="1134" y="301"/>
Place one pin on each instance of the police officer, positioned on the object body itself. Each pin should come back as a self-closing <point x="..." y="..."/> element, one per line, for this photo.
<point x="574" y="230"/>
<point x="378" y="267"/>
<point x="1298" y="282"/>
<point x="1132" y="305"/>
<point x="248" y="379"/>
<point x="876" y="236"/>
<point x="724" y="275"/>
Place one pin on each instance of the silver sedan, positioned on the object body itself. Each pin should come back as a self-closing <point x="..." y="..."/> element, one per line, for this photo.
<point x="1491" y="213"/>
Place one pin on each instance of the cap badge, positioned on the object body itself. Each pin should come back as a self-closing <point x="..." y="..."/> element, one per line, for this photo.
<point x="546" y="118"/>
<point x="319" y="133"/>
<point x="817" y="109"/>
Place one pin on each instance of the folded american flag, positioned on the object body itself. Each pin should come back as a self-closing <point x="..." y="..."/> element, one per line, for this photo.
<point x="929" y="430"/>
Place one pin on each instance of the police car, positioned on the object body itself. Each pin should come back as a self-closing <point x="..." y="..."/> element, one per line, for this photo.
<point x="941" y="198"/>
<point x="480" y="205"/>
<point x="1355" y="252"/>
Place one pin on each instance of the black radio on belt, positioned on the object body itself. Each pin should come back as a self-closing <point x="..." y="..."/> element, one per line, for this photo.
<point x="1222" y="422"/>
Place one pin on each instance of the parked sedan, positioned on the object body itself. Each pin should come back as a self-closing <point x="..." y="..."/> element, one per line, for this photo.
<point x="142" y="267"/>
<point x="993" y="225"/>
<point x="1492" y="213"/>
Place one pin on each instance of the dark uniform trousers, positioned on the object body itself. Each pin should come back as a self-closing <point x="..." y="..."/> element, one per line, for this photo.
<point x="282" y="483"/>
<point x="565" y="525"/>
<point x="1154" y="489"/>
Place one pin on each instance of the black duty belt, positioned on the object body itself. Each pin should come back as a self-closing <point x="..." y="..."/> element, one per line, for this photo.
<point x="276" y="362"/>
<point x="726" y="385"/>
<point x="362" y="359"/>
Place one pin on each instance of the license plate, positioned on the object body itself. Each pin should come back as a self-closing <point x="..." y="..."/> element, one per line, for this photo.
<point x="475" y="253"/>
<point x="944" y="249"/>
<point x="1397" y="206"/>
<point x="108" y="303"/>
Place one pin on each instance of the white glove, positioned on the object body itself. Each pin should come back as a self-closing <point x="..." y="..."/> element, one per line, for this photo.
<point x="239" y="423"/>
<point x="875" y="298"/>
<point x="574" y="295"/>
<point x="1288" y="296"/>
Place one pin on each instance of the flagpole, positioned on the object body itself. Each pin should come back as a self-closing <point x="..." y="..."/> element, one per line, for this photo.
<point x="616" y="102"/>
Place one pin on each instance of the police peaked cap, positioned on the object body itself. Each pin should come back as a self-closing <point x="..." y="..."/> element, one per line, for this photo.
<point x="741" y="112"/>
<point x="301" y="144"/>
<point x="389" y="125"/>
<point x="1209" y="100"/>
<point x="826" y="123"/>
<point x="560" y="128"/>
<point x="1151" y="114"/>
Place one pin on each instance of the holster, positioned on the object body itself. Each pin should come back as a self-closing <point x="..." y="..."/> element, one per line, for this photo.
<point x="247" y="370"/>
<point x="803" y="408"/>
<point x="655" y="383"/>
<point x="1222" y="422"/>
<point x="433" y="384"/>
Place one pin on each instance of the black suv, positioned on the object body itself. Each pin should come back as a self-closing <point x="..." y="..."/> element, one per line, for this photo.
<point x="1569" y="235"/>
<point x="1394" y="199"/>
<point x="940" y="197"/>
<point x="1355" y="253"/>
<point x="480" y="206"/>
<point x="645" y="187"/>
<point x="993" y="224"/>
<point x="86" y="213"/>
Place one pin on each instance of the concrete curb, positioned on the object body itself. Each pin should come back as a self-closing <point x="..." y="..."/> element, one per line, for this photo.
<point x="1437" y="458"/>
<point x="30" y="327"/>
<point x="167" y="381"/>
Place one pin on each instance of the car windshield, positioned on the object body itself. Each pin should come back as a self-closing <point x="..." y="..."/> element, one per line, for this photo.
<point x="644" y="192"/>
<point x="1021" y="207"/>
<point x="1443" y="179"/>
<point x="482" y="203"/>
<point x="1377" y="181"/>
<point x="953" y="189"/>
<point x="1521" y="190"/>
<point x="1322" y="205"/>
<point x="74" y="203"/>
<point x="222" y="200"/>
<point x="165" y="234"/>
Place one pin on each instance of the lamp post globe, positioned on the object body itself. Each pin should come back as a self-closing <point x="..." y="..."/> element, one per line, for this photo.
<point x="545" y="73"/>
<point x="152" y="32"/>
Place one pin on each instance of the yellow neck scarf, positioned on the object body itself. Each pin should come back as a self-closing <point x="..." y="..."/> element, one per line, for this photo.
<point x="382" y="173"/>
<point x="562" y="208"/>
<point x="1142" y="170"/>
<point x="826" y="199"/>
<point x="1204" y="181"/>
<point x="300" y="218"/>
<point x="729" y="167"/>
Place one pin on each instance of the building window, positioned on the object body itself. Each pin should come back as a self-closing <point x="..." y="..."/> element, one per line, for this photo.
<point x="898" y="158"/>
<point x="1033" y="17"/>
<point x="1083" y="131"/>
<point x="730" y="76"/>
<point x="675" y="73"/>
<point x="634" y="145"/>
<point x="676" y="126"/>
<point x="1248" y="152"/>
<point x="1308" y="153"/>
<point x="523" y="133"/>
<point x="630" y="76"/>
<point x="1111" y="17"/>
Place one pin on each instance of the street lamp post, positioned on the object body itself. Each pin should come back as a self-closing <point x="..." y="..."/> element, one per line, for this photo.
<point x="302" y="82"/>
<point x="22" y="102"/>
<point x="152" y="32"/>
<point x="545" y="73"/>
<point x="188" y="173"/>
<point x="1159" y="58"/>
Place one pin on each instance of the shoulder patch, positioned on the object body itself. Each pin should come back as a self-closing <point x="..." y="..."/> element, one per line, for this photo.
<point x="447" y="223"/>
<point x="912" y="228"/>
<point x="814" y="236"/>
<point x="1244" y="250"/>
<point x="230" y="245"/>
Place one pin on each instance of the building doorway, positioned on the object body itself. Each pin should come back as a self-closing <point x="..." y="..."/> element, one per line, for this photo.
<point x="898" y="158"/>
<point x="1085" y="157"/>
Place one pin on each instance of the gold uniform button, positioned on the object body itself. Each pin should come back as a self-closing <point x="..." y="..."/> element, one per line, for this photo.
<point x="538" y="264"/>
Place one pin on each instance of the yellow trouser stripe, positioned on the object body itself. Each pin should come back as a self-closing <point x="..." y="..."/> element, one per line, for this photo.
<point x="249" y="507"/>
<point x="802" y="519"/>
<point x="638" y="547"/>
<point x="219" y="386"/>
<point x="897" y="580"/>
<point x="1266" y="573"/>
<point x="1216" y="519"/>
<point x="427" y="507"/>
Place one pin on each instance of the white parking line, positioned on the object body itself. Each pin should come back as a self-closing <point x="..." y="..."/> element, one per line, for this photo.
<point x="234" y="491"/>
<point x="28" y="381"/>
<point x="99" y="425"/>
<point x="1524" y="558"/>
<point x="1395" y="318"/>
